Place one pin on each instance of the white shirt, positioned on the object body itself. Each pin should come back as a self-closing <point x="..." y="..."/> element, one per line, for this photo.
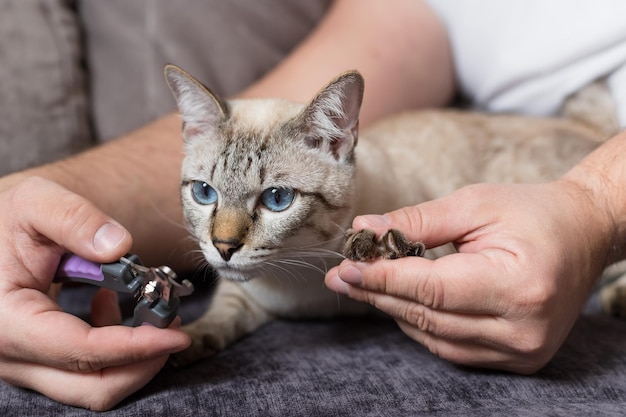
<point x="527" y="56"/>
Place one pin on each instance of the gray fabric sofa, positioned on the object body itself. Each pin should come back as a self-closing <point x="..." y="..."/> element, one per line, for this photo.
<point x="80" y="72"/>
<point x="361" y="367"/>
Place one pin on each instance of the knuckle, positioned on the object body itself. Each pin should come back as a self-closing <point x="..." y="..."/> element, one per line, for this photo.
<point x="367" y="297"/>
<point x="429" y="292"/>
<point x="87" y="364"/>
<point x="420" y="317"/>
<point x="21" y="195"/>
<point x="390" y="277"/>
<point x="75" y="215"/>
<point x="449" y="352"/>
<point x="533" y="350"/>
<point x="535" y="298"/>
<point x="410" y="221"/>
<point x="530" y="345"/>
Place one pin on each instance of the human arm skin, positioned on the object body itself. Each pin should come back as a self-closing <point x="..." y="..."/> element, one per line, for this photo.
<point x="399" y="46"/>
<point x="528" y="257"/>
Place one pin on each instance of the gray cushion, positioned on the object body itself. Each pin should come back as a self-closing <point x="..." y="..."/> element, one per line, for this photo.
<point x="226" y="44"/>
<point x="363" y="367"/>
<point x="42" y="92"/>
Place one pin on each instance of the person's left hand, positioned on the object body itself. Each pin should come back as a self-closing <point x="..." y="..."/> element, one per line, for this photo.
<point x="46" y="349"/>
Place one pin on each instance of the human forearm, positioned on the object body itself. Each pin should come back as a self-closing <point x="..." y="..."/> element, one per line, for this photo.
<point x="602" y="176"/>
<point x="399" y="46"/>
<point x="135" y="180"/>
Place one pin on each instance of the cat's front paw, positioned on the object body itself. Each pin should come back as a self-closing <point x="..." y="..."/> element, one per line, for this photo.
<point x="613" y="298"/>
<point x="202" y="346"/>
<point x="364" y="246"/>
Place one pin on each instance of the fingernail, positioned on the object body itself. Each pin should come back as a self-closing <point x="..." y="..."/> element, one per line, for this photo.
<point x="351" y="275"/>
<point x="108" y="237"/>
<point x="374" y="220"/>
<point x="336" y="284"/>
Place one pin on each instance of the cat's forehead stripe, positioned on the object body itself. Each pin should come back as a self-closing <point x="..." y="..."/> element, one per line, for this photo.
<point x="242" y="149"/>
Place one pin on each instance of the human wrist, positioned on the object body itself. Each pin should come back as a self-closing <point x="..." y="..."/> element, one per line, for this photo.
<point x="601" y="179"/>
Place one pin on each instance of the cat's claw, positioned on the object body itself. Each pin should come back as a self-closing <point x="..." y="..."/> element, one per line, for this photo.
<point x="364" y="246"/>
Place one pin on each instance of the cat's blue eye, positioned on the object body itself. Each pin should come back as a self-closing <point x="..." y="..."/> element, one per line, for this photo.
<point x="277" y="199"/>
<point x="203" y="193"/>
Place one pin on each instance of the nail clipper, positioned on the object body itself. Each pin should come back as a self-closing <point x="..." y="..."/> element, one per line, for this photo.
<point x="156" y="290"/>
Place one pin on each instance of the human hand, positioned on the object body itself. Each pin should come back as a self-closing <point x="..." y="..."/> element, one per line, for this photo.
<point x="528" y="256"/>
<point x="45" y="349"/>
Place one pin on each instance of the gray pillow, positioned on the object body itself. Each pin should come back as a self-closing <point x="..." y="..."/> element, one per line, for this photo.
<point x="43" y="113"/>
<point x="225" y="44"/>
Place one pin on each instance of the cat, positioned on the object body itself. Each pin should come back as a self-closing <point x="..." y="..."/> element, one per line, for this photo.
<point x="269" y="188"/>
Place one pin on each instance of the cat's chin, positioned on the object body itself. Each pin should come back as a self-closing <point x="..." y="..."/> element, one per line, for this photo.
<point x="238" y="275"/>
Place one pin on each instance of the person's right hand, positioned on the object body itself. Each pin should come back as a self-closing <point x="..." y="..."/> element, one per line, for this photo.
<point x="53" y="352"/>
<point x="527" y="258"/>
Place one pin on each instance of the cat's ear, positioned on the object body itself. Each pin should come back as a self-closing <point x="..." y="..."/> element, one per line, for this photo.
<point x="331" y="120"/>
<point x="202" y="110"/>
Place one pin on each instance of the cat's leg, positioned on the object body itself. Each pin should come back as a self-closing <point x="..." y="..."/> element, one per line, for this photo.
<point x="613" y="297"/>
<point x="232" y="314"/>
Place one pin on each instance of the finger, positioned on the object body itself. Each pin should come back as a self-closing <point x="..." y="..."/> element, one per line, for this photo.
<point x="473" y="354"/>
<point x="435" y="222"/>
<point x="479" y="329"/>
<point x="70" y="221"/>
<point x="105" y="309"/>
<point x="53" y="338"/>
<point x="99" y="390"/>
<point x="488" y="331"/>
<point x="461" y="283"/>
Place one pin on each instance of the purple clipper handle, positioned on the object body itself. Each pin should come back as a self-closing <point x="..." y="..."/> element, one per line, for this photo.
<point x="116" y="276"/>
<point x="157" y="307"/>
<point x="74" y="268"/>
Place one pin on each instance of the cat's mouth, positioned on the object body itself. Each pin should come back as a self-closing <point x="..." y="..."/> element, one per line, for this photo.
<point x="234" y="269"/>
<point x="236" y="273"/>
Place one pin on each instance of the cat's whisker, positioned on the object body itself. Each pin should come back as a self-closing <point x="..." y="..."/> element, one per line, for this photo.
<point x="318" y="244"/>
<point x="196" y="255"/>
<point x="208" y="275"/>
<point x="288" y="273"/>
<point x="168" y="219"/>
<point x="184" y="245"/>
<point x="317" y="252"/>
<point x="341" y="230"/>
<point x="299" y="263"/>
<point x="270" y="271"/>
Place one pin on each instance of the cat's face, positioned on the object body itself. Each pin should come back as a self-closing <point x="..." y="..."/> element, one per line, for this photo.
<point x="267" y="182"/>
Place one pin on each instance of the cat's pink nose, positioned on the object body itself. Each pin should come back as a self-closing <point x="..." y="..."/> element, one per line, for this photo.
<point x="227" y="248"/>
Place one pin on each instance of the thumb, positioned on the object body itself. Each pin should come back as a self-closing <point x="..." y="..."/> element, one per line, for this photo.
<point x="70" y="221"/>
<point x="434" y="223"/>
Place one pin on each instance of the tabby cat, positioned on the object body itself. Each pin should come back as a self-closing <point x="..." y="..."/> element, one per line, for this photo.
<point x="269" y="188"/>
